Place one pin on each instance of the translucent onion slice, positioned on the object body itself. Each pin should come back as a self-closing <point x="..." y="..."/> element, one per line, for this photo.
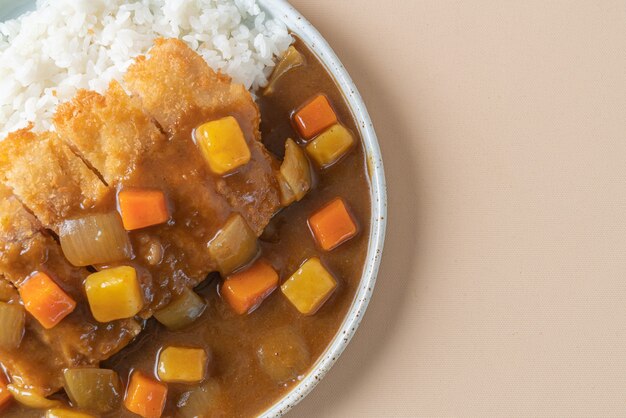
<point x="234" y="245"/>
<point x="204" y="401"/>
<point x="182" y="311"/>
<point x="11" y="325"/>
<point x="32" y="399"/>
<point x="97" y="390"/>
<point x="287" y="196"/>
<point x="292" y="59"/>
<point x="95" y="239"/>
<point x="296" y="169"/>
<point x="283" y="354"/>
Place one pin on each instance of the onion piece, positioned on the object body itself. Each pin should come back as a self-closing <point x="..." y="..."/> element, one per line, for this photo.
<point x="12" y="319"/>
<point x="204" y="401"/>
<point x="181" y="311"/>
<point x="287" y="196"/>
<point x="97" y="390"/>
<point x="290" y="60"/>
<point x="32" y="399"/>
<point x="283" y="354"/>
<point x="95" y="239"/>
<point x="234" y="245"/>
<point x="296" y="169"/>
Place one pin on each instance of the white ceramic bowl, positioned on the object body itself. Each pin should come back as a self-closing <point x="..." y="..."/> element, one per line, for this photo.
<point x="298" y="25"/>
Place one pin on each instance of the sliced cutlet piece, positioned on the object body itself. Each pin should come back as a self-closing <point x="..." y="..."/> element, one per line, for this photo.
<point x="47" y="177"/>
<point x="181" y="92"/>
<point x="115" y="136"/>
<point x="8" y="293"/>
<point x="78" y="340"/>
<point x="110" y="132"/>
<point x="20" y="239"/>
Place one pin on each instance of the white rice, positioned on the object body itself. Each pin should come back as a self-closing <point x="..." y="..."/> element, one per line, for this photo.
<point x="65" y="45"/>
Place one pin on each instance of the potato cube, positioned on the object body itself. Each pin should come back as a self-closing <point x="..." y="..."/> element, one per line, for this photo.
<point x="223" y="145"/>
<point x="182" y="365"/>
<point x="330" y="145"/>
<point x="66" y="413"/>
<point x="114" y="293"/>
<point x="309" y="287"/>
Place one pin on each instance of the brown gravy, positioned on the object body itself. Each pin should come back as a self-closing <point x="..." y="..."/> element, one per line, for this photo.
<point x="232" y="339"/>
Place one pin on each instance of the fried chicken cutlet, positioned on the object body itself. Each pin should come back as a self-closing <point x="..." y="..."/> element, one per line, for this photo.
<point x="181" y="92"/>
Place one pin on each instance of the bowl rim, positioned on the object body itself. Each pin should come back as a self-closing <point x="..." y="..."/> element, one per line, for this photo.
<point x="300" y="26"/>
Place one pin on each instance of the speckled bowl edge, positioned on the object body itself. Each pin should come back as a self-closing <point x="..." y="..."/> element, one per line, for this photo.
<point x="282" y="10"/>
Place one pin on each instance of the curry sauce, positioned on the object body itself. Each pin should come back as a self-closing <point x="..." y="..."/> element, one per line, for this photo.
<point x="241" y="380"/>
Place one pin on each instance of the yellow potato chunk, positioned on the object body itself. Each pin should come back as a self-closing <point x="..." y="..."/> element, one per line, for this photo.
<point x="223" y="145"/>
<point x="182" y="365"/>
<point x="330" y="145"/>
<point x="66" y="413"/>
<point x="114" y="293"/>
<point x="309" y="287"/>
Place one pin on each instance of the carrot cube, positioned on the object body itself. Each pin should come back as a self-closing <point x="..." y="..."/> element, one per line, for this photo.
<point x="309" y="287"/>
<point x="5" y="395"/>
<point x="223" y="145"/>
<point x="330" y="146"/>
<point x="145" y="396"/>
<point x="244" y="291"/>
<point x="314" y="117"/>
<point x="183" y="365"/>
<point x="141" y="208"/>
<point x="45" y="300"/>
<point x="333" y="225"/>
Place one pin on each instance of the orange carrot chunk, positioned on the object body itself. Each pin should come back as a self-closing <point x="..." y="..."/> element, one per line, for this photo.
<point x="145" y="396"/>
<point x="333" y="225"/>
<point x="45" y="300"/>
<point x="314" y="117"/>
<point x="5" y="395"/>
<point x="244" y="291"/>
<point x="141" y="208"/>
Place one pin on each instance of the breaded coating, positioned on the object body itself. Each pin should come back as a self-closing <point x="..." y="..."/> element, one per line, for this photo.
<point x="47" y="177"/>
<point x="114" y="135"/>
<point x="33" y="366"/>
<point x="20" y="239"/>
<point x="8" y="293"/>
<point x="79" y="340"/>
<point x="175" y="81"/>
<point x="110" y="132"/>
<point x="16" y="223"/>
<point x="179" y="89"/>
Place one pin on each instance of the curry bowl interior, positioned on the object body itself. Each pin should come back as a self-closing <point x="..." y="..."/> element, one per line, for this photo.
<point x="300" y="27"/>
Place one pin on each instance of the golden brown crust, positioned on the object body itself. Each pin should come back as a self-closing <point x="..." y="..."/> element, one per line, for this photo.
<point x="110" y="131"/>
<point x="47" y="177"/>
<point x="16" y="223"/>
<point x="175" y="81"/>
<point x="179" y="89"/>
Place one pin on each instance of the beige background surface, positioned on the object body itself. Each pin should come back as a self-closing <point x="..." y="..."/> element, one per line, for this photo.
<point x="503" y="286"/>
